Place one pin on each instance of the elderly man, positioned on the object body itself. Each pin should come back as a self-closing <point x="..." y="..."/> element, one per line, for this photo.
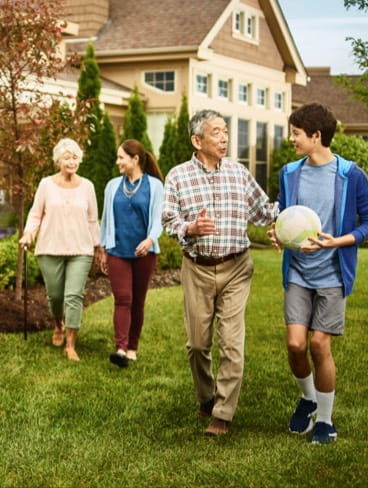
<point x="208" y="202"/>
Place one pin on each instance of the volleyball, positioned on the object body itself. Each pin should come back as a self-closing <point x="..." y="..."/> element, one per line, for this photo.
<point x="295" y="224"/>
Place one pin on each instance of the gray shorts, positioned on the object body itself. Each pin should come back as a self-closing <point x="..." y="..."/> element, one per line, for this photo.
<point x="320" y="309"/>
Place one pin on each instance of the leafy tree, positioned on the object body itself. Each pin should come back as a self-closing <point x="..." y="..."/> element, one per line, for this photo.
<point x="358" y="86"/>
<point x="135" y="121"/>
<point x="183" y="145"/>
<point x="30" y="34"/>
<point x="281" y="156"/>
<point x="167" y="148"/>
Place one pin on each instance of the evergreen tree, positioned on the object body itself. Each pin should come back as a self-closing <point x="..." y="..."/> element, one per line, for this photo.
<point x="100" y="150"/>
<point x="105" y="159"/>
<point x="89" y="89"/>
<point x="183" y="145"/>
<point x="167" y="148"/>
<point x="135" y="121"/>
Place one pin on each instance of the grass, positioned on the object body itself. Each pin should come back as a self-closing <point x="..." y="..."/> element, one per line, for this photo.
<point x="90" y="424"/>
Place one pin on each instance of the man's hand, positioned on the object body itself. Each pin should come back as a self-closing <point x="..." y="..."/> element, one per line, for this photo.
<point x="202" y="226"/>
<point x="272" y="235"/>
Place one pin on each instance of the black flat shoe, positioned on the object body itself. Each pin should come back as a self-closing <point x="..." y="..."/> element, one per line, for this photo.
<point x="119" y="359"/>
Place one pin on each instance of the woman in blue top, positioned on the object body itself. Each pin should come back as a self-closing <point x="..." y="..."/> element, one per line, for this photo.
<point x="130" y="228"/>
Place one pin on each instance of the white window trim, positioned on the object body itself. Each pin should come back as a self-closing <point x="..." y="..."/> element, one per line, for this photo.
<point x="279" y="109"/>
<point x="246" y="12"/>
<point x="199" y="93"/>
<point x="248" y="86"/>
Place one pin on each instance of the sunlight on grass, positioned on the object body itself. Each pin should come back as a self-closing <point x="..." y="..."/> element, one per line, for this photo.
<point x="94" y="425"/>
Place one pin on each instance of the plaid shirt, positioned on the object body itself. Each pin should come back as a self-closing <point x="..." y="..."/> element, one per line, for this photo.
<point x="231" y="196"/>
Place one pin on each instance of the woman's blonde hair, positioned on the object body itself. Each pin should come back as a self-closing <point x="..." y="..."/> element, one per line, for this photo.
<point x="66" y="145"/>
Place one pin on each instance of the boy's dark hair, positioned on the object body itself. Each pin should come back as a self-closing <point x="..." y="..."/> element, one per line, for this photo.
<point x="314" y="117"/>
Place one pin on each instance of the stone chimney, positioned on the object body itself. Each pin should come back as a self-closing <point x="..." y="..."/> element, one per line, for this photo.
<point x="90" y="15"/>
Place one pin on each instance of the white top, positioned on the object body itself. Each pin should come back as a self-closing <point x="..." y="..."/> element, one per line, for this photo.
<point x="65" y="219"/>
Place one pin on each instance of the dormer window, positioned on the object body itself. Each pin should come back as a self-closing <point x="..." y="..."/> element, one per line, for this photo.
<point x="245" y="25"/>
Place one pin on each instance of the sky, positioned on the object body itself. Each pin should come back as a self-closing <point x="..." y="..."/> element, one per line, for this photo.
<point x="319" y="29"/>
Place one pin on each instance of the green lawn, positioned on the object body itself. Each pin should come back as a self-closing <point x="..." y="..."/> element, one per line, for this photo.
<point x="90" y="424"/>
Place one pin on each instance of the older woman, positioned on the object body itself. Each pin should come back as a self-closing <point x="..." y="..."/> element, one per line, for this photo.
<point x="65" y="219"/>
<point x="130" y="228"/>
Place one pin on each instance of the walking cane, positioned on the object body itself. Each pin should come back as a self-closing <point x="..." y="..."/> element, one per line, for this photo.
<point x="25" y="249"/>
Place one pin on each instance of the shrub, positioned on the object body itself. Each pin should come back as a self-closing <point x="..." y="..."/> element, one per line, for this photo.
<point x="171" y="254"/>
<point x="258" y="235"/>
<point x="8" y="263"/>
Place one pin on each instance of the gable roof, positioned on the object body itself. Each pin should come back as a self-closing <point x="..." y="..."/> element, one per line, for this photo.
<point x="323" y="88"/>
<point x="137" y="24"/>
<point x="173" y="26"/>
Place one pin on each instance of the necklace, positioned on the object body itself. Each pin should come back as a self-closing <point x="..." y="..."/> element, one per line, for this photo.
<point x="130" y="192"/>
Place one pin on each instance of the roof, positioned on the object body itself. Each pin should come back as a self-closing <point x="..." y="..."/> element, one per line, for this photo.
<point x="164" y="24"/>
<point x="323" y="88"/>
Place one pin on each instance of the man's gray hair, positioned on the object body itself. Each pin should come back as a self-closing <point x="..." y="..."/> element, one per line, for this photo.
<point x="198" y="120"/>
<point x="66" y="145"/>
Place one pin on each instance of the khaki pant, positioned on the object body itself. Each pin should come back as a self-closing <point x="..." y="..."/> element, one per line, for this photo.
<point x="219" y="292"/>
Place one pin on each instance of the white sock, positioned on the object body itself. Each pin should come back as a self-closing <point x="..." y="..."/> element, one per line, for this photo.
<point x="325" y="403"/>
<point x="306" y="386"/>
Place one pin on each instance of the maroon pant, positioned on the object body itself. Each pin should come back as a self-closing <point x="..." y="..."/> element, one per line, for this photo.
<point x="129" y="282"/>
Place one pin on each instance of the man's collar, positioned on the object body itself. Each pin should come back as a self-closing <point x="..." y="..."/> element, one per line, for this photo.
<point x="203" y="167"/>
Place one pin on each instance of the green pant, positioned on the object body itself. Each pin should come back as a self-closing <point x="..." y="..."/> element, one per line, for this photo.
<point x="65" y="278"/>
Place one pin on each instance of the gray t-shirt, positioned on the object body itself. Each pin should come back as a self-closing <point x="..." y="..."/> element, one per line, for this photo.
<point x="319" y="269"/>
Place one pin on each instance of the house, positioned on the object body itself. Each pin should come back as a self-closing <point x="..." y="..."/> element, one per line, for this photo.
<point x="234" y="56"/>
<point x="322" y="87"/>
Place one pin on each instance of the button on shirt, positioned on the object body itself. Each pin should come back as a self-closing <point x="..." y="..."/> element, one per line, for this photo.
<point x="231" y="197"/>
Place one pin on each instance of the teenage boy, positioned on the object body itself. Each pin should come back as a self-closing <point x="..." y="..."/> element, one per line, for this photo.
<point x="318" y="277"/>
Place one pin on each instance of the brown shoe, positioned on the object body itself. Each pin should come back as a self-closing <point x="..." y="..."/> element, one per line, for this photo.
<point x="205" y="409"/>
<point x="217" y="427"/>
<point x="58" y="337"/>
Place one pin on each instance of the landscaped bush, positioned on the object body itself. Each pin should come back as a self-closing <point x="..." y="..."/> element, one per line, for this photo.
<point x="8" y="263"/>
<point x="171" y="254"/>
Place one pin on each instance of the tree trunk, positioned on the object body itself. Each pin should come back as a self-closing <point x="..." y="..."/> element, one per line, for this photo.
<point x="19" y="278"/>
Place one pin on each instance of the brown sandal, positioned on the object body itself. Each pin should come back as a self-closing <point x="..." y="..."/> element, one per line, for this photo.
<point x="71" y="354"/>
<point x="58" y="337"/>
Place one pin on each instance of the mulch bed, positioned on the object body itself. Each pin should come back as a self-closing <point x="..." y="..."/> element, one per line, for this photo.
<point x="38" y="316"/>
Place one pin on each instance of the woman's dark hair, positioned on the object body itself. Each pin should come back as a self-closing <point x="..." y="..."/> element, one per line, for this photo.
<point x="314" y="117"/>
<point x="147" y="161"/>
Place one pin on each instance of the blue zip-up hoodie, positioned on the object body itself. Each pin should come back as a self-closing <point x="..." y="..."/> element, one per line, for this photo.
<point x="351" y="202"/>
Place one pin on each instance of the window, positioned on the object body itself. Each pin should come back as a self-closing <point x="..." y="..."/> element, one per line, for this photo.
<point x="245" y="25"/>
<point x="243" y="142"/>
<point x="237" y="22"/>
<point x="278" y="136"/>
<point x="261" y="154"/>
<point x="162" y="80"/>
<point x="261" y="97"/>
<point x="243" y="93"/>
<point x="228" y="125"/>
<point x="202" y="84"/>
<point x="279" y="101"/>
<point x="223" y="89"/>
<point x="251" y="22"/>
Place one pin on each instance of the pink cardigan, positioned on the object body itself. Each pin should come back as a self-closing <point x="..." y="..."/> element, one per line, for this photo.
<point x="65" y="219"/>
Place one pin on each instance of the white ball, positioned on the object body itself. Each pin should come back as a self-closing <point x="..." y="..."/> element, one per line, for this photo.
<point x="295" y="224"/>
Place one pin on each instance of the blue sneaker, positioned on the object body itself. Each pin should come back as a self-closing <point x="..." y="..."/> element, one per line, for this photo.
<point x="302" y="421"/>
<point x="323" y="433"/>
